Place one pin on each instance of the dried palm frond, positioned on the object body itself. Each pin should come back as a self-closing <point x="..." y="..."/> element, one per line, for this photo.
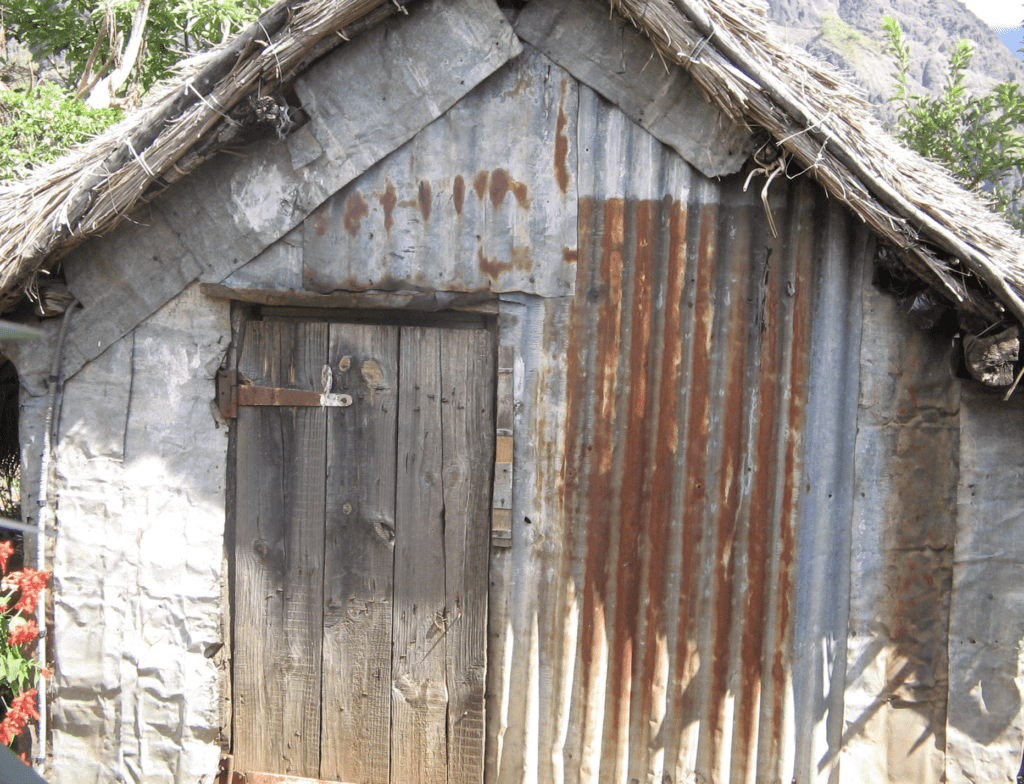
<point x="90" y="190"/>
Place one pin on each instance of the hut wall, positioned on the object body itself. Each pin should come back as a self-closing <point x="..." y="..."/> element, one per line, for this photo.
<point x="903" y="530"/>
<point x="753" y="513"/>
<point x="984" y="721"/>
<point x="139" y="486"/>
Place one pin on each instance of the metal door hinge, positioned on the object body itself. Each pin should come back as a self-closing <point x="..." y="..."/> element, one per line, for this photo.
<point x="226" y="773"/>
<point x="282" y="778"/>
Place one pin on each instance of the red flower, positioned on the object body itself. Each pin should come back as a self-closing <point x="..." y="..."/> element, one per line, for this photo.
<point x="31" y="583"/>
<point x="9" y="730"/>
<point x="22" y="631"/>
<point x="6" y="551"/>
<point x="23" y="708"/>
<point x="24" y="705"/>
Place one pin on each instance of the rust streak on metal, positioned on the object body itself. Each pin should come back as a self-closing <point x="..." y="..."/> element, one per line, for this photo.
<point x="562" y="143"/>
<point x="480" y="184"/>
<point x="730" y="467"/>
<point x="577" y="450"/>
<point x="492" y="268"/>
<point x="501" y="183"/>
<point x="600" y="495"/>
<point x="424" y="197"/>
<point x="499" y="187"/>
<point x="639" y="529"/>
<point x="458" y="193"/>
<point x="355" y="211"/>
<point x="700" y="296"/>
<point x="570" y="255"/>
<point x="576" y="372"/>
<point x="664" y="474"/>
<point x="797" y="288"/>
<point x="521" y="191"/>
<point x="389" y="200"/>
<point x="760" y="523"/>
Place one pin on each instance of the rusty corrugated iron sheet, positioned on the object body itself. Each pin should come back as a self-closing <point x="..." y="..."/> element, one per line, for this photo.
<point x="484" y="198"/>
<point x="665" y="511"/>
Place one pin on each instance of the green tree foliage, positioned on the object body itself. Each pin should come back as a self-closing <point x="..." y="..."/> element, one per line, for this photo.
<point x="976" y="138"/>
<point x="41" y="124"/>
<point x="96" y="53"/>
<point x="87" y="40"/>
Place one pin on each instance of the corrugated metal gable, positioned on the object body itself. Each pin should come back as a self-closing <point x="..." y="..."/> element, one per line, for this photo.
<point x="484" y="198"/>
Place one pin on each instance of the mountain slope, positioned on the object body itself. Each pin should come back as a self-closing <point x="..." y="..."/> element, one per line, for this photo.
<point x="847" y="33"/>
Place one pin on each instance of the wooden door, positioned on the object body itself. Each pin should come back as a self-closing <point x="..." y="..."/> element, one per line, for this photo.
<point x="361" y="551"/>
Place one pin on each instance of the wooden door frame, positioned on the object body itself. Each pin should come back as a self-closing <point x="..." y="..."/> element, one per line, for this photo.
<point x="483" y="316"/>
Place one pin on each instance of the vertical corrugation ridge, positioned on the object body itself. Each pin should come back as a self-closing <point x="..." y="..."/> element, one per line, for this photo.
<point x="827" y="509"/>
<point x="686" y="553"/>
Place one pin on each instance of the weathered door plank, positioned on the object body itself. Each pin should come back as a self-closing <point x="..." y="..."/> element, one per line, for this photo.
<point x="467" y="372"/>
<point x="359" y="555"/>
<point x="362" y="550"/>
<point x="279" y="534"/>
<point x="419" y="695"/>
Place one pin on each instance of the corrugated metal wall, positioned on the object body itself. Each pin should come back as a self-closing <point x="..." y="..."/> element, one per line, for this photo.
<point x="675" y="602"/>
<point x="465" y="205"/>
<point x="687" y="558"/>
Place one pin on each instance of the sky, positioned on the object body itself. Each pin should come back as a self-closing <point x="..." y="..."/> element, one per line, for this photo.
<point x="1004" y="16"/>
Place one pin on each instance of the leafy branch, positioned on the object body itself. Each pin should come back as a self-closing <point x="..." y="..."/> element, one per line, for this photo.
<point x="96" y="54"/>
<point x="117" y="49"/>
<point x="976" y="138"/>
<point x="40" y="125"/>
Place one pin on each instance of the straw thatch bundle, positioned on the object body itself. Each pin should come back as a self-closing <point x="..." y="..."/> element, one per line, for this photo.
<point x="946" y="235"/>
<point x="90" y="190"/>
<point x="818" y="119"/>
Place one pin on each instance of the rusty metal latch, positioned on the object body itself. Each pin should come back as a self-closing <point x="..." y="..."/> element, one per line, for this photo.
<point x="231" y="394"/>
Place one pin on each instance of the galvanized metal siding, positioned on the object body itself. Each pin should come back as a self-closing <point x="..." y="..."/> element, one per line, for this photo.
<point x="842" y="247"/>
<point x="483" y="198"/>
<point x="656" y="638"/>
<point x="903" y="530"/>
<point x="985" y="721"/>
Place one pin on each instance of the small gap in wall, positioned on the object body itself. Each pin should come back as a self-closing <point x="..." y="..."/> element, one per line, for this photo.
<point x="10" y="445"/>
<point x="10" y="503"/>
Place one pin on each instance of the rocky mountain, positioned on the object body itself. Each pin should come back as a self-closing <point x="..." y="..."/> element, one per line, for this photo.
<point x="847" y="33"/>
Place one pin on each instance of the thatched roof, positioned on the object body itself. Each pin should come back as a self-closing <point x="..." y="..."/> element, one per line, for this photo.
<point x="947" y="236"/>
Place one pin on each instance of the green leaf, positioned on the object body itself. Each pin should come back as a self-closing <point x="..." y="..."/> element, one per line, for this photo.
<point x="975" y="137"/>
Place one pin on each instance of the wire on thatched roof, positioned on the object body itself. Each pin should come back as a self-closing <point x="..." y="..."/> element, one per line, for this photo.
<point x="89" y="191"/>
<point x="813" y="114"/>
<point x="820" y="120"/>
